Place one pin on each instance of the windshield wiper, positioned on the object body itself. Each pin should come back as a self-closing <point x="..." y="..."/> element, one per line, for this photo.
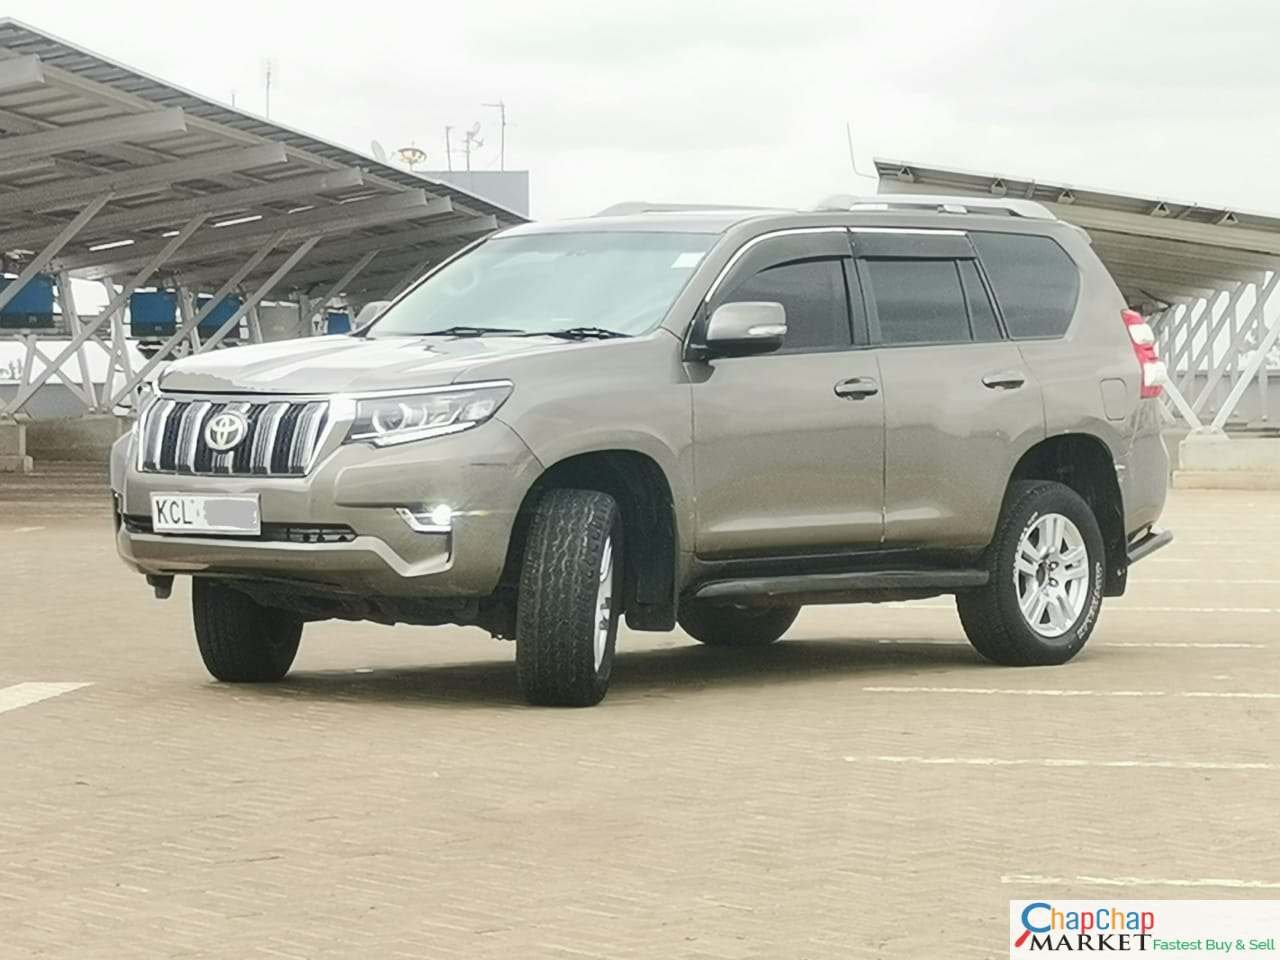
<point x="464" y="331"/>
<point x="579" y="333"/>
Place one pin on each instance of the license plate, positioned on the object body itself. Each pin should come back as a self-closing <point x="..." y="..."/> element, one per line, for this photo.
<point x="200" y="513"/>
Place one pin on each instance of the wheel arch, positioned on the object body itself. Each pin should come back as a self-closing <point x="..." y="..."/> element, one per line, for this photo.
<point x="650" y="536"/>
<point x="1084" y="463"/>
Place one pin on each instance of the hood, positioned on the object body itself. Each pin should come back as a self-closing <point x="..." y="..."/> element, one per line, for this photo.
<point x="344" y="364"/>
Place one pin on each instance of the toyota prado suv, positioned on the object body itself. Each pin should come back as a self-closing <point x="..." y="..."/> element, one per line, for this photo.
<point x="703" y="417"/>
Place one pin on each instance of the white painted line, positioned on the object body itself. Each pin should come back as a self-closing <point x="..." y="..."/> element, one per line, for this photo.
<point x="1180" y="645"/>
<point x="1133" y="609"/>
<point x="1111" y="607"/>
<point x="1010" y="691"/>
<point x="25" y="694"/>
<point x="1157" y="644"/>
<point x="27" y="529"/>
<point x="1226" y="580"/>
<point x="1032" y="692"/>
<point x="1218" y="560"/>
<point x="1058" y="762"/>
<point x="1036" y="879"/>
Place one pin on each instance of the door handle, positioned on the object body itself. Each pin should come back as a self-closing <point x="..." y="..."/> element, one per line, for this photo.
<point x="857" y="388"/>
<point x="1004" y="380"/>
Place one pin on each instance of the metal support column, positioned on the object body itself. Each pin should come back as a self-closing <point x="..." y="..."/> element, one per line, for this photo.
<point x="1263" y="373"/>
<point x="1237" y="344"/>
<point x="1206" y="351"/>
<point x="317" y="307"/>
<point x="1189" y="327"/>
<point x="52" y="249"/>
<point x="67" y="301"/>
<point x="191" y="324"/>
<point x="1250" y="370"/>
<point x="413" y="274"/>
<point x="28" y="387"/>
<point x="254" y="298"/>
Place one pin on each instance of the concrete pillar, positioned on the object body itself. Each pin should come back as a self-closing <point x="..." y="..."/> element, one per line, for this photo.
<point x="13" y="448"/>
<point x="1210" y="460"/>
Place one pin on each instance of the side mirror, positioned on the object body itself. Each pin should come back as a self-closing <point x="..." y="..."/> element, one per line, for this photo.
<point x="745" y="329"/>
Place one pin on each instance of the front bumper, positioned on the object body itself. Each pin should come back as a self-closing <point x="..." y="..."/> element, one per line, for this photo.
<point x="481" y="474"/>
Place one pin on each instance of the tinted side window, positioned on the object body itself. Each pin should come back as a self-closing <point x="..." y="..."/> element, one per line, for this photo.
<point x="918" y="301"/>
<point x="981" y="317"/>
<point x="812" y="292"/>
<point x="1036" y="284"/>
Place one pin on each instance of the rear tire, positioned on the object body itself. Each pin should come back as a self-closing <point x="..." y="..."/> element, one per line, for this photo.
<point x="1047" y="563"/>
<point x="570" y="599"/>
<point x="242" y="641"/>
<point x="730" y="626"/>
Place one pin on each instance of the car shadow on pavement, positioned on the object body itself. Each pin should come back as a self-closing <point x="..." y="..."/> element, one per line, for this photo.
<point x="642" y="673"/>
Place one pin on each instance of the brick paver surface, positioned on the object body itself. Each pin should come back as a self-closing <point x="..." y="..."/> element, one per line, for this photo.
<point x="843" y="794"/>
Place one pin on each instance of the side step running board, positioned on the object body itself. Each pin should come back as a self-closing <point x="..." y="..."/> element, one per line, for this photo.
<point x="1153" y="541"/>
<point x="837" y="584"/>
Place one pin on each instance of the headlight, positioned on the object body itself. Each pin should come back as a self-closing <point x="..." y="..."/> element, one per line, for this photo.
<point x="416" y="416"/>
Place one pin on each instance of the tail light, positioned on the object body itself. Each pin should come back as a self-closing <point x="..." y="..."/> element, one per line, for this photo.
<point x="1143" y="341"/>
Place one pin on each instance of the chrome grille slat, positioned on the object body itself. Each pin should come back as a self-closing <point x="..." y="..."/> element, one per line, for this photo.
<point x="288" y="432"/>
<point x="303" y="437"/>
<point x="262" y="461"/>
<point x="189" y="435"/>
<point x="157" y="417"/>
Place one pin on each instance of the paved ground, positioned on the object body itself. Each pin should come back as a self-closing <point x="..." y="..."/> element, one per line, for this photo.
<point x="868" y="788"/>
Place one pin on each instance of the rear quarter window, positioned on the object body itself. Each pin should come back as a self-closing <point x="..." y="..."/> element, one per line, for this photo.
<point x="1035" y="282"/>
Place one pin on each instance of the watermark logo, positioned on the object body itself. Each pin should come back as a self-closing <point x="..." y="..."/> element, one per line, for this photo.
<point x="1046" y="927"/>
<point x="1219" y="928"/>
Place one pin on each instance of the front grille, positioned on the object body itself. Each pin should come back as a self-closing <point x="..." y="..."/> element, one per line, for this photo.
<point x="281" y="440"/>
<point x="271" y="532"/>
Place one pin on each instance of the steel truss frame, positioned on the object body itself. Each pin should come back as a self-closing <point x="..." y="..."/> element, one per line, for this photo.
<point x="1214" y="351"/>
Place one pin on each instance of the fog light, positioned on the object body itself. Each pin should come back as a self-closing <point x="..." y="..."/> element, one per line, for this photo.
<point x="438" y="519"/>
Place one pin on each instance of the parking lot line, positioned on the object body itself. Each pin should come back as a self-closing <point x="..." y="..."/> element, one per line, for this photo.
<point x="25" y="694"/>
<point x="1202" y="580"/>
<point x="1033" y="692"/>
<point x="1033" y="878"/>
<point x="1145" y="644"/>
<point x="1065" y="762"/>
<point x="1111" y="607"/>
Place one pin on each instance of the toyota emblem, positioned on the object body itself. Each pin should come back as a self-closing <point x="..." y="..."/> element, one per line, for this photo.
<point x="225" y="431"/>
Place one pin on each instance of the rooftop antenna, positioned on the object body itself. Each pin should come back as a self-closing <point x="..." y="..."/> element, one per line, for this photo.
<point x="268" y="67"/>
<point x="411" y="156"/>
<point x="448" y="146"/>
<point x="501" y="107"/>
<point x="471" y="140"/>
<point x="853" y="162"/>
<point x="379" y="151"/>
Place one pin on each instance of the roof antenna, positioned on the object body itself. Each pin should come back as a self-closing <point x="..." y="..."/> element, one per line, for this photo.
<point x="853" y="162"/>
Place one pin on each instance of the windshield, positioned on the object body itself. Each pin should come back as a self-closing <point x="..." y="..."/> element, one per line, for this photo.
<point x="548" y="282"/>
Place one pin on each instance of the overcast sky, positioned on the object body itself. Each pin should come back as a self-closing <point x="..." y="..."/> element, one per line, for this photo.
<point x="741" y="100"/>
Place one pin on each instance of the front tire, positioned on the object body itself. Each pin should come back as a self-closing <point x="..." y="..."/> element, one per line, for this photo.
<point x="1046" y="562"/>
<point x="730" y="626"/>
<point x="570" y="599"/>
<point x="242" y="641"/>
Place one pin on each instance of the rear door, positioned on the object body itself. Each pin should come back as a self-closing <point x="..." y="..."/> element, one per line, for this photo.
<point x="960" y="403"/>
<point x="789" y="446"/>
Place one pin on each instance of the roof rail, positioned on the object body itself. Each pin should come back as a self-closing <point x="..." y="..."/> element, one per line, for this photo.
<point x="940" y="204"/>
<point x="643" y="206"/>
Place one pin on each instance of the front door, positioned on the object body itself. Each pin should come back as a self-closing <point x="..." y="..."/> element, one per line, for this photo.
<point x="960" y="403"/>
<point x="789" y="446"/>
